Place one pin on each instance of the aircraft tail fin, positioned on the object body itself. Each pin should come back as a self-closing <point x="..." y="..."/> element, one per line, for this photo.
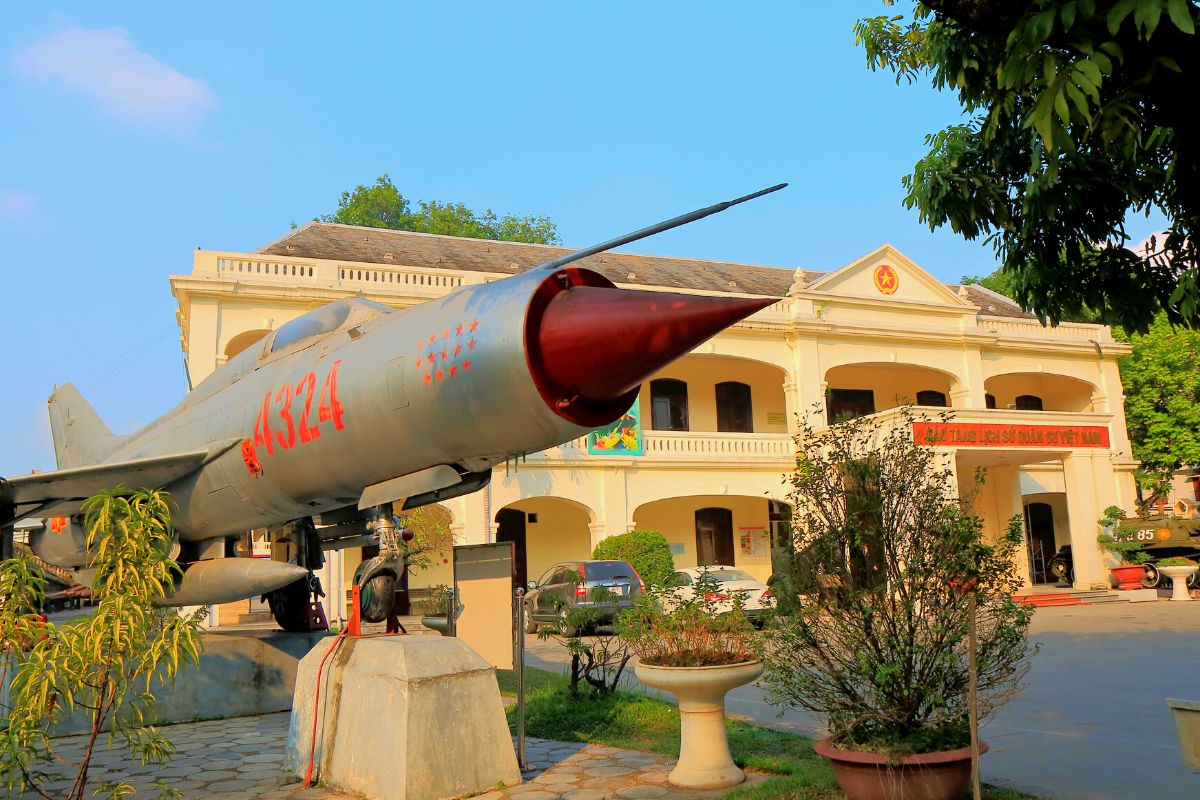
<point x="80" y="437"/>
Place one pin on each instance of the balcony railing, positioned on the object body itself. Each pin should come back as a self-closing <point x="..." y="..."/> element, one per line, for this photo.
<point x="1032" y="329"/>
<point x="685" y="446"/>
<point x="277" y="270"/>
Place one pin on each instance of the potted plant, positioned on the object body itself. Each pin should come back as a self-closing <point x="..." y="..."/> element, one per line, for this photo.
<point x="873" y="617"/>
<point x="1121" y="542"/>
<point x="434" y="608"/>
<point x="698" y="653"/>
<point x="1179" y="570"/>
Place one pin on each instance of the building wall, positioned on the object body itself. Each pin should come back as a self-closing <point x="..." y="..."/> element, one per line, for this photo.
<point x="675" y="520"/>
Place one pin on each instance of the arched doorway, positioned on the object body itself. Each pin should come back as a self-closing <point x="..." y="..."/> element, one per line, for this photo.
<point x="714" y="536"/>
<point x="242" y="341"/>
<point x="544" y="531"/>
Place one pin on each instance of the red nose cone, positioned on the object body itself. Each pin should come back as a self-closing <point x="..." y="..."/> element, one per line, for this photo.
<point x="595" y="345"/>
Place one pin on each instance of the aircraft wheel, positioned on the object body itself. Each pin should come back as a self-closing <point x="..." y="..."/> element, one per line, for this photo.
<point x="289" y="605"/>
<point x="377" y="597"/>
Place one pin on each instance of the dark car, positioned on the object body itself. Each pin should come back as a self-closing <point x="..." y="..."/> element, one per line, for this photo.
<point x="605" y="587"/>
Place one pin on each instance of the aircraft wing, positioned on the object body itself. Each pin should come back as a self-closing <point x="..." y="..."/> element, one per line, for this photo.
<point x="62" y="492"/>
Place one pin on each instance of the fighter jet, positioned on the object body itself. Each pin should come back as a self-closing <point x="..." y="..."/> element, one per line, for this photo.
<point x="354" y="411"/>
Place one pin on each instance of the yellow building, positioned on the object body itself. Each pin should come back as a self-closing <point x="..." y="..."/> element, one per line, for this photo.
<point x="1041" y="409"/>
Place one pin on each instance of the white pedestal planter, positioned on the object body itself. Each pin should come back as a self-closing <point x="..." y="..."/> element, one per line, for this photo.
<point x="704" y="760"/>
<point x="1179" y="576"/>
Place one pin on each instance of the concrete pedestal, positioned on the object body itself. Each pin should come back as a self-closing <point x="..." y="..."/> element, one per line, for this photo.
<point x="402" y="718"/>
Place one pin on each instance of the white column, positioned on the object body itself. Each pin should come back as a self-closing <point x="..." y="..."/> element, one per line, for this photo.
<point x="1085" y="505"/>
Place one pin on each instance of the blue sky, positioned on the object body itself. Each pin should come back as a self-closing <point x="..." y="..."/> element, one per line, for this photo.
<point x="136" y="132"/>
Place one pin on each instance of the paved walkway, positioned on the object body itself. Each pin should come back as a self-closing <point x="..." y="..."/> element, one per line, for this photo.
<point x="242" y="759"/>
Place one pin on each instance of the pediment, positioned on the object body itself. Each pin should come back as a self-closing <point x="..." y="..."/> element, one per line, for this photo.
<point x="887" y="274"/>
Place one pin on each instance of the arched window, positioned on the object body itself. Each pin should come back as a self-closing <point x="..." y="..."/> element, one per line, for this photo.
<point x="668" y="405"/>
<point x="734" y="411"/>
<point x="989" y="401"/>
<point x="1029" y="402"/>
<point x="931" y="398"/>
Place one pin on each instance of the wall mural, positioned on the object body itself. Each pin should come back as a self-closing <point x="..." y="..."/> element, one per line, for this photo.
<point x="621" y="438"/>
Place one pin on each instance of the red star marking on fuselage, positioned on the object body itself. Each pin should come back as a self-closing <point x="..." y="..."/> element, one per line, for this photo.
<point x="458" y="331"/>
<point x="471" y="345"/>
<point x="428" y="379"/>
<point x="433" y="338"/>
<point x="443" y="355"/>
<point x="446" y="334"/>
<point x="474" y="325"/>
<point x="440" y="374"/>
<point x="452" y="371"/>
<point x="467" y="365"/>
<point x="429" y="358"/>
<point x="457" y="349"/>
<point x="420" y="361"/>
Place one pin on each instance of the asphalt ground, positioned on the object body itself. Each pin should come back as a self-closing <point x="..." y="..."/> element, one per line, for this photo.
<point x="1091" y="723"/>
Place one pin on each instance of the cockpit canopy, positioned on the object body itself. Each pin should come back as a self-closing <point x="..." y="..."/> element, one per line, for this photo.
<point x="326" y="319"/>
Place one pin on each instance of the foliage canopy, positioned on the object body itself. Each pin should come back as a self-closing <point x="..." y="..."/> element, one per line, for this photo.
<point x="382" y="206"/>
<point x="1077" y="111"/>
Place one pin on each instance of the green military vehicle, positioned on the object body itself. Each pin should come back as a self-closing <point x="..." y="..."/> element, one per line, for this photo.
<point x="1163" y="537"/>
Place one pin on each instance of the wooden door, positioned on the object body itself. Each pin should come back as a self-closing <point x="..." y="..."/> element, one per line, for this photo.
<point x="714" y="537"/>
<point x="510" y="527"/>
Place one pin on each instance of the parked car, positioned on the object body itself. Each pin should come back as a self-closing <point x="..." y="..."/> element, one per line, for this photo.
<point x="757" y="600"/>
<point x="605" y="587"/>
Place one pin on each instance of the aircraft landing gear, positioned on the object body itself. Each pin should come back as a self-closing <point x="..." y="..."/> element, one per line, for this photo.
<point x="378" y="577"/>
<point x="295" y="607"/>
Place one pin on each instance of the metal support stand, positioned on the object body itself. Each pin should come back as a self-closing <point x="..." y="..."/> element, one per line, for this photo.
<point x="519" y="669"/>
<point x="973" y="694"/>
<point x="451" y="612"/>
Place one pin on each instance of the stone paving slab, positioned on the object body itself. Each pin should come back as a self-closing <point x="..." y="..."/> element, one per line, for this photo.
<point x="242" y="759"/>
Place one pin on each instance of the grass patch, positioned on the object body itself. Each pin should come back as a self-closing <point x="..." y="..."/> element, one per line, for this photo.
<point x="634" y="721"/>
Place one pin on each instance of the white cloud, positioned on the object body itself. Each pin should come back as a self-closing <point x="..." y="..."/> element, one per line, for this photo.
<point x="15" y="204"/>
<point x="124" y="82"/>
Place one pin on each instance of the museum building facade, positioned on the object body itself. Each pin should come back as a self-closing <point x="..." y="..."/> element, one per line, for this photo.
<point x="704" y="453"/>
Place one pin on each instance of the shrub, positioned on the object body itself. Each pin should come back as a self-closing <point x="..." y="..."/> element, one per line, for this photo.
<point x="879" y="646"/>
<point x="1120" y="540"/>
<point x="666" y="628"/>
<point x="646" y="551"/>
<point x="1176" y="561"/>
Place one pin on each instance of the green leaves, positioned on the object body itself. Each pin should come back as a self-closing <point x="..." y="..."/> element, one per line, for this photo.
<point x="102" y="665"/>
<point x="1076" y="110"/>
<point x="382" y="206"/>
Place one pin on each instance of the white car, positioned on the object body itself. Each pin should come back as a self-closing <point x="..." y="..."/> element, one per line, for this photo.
<point x="728" y="582"/>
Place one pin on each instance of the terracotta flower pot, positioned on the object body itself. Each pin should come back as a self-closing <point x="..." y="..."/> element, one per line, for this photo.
<point x="922" y="776"/>
<point x="1179" y="578"/>
<point x="704" y="760"/>
<point x="1128" y="576"/>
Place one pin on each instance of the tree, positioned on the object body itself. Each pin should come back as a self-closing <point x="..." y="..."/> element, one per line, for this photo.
<point x="1078" y="111"/>
<point x="101" y="665"/>
<point x="879" y="646"/>
<point x="382" y="206"/>
<point x="1161" y="379"/>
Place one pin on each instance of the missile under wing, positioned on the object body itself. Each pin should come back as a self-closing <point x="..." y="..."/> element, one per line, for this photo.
<point x="354" y="407"/>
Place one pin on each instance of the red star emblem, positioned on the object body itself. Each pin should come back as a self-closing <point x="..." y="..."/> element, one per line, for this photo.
<point x="432" y="338"/>
<point x="440" y="374"/>
<point x="446" y="334"/>
<point x="467" y="365"/>
<point x="420" y="361"/>
<point x="474" y="325"/>
<point x="443" y="355"/>
<point x="428" y="379"/>
<point x="471" y="345"/>
<point x="458" y="330"/>
<point x="886" y="279"/>
<point x="457" y="349"/>
<point x="452" y="371"/>
<point x="429" y="358"/>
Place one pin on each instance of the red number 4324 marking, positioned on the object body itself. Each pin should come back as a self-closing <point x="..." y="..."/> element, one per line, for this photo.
<point x="329" y="409"/>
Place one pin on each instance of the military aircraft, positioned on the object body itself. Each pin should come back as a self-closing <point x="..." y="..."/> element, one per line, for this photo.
<point x="355" y="410"/>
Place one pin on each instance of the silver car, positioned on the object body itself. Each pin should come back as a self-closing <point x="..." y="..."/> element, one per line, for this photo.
<point x="605" y="587"/>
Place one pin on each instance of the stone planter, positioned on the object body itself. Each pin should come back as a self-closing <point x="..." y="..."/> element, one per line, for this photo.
<point x="704" y="760"/>
<point x="1128" y="576"/>
<point x="440" y="624"/>
<point x="922" y="776"/>
<point x="1179" y="578"/>
<point x="1187" y="721"/>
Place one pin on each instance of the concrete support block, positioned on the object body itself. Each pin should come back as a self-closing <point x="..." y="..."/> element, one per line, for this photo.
<point x="402" y="718"/>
